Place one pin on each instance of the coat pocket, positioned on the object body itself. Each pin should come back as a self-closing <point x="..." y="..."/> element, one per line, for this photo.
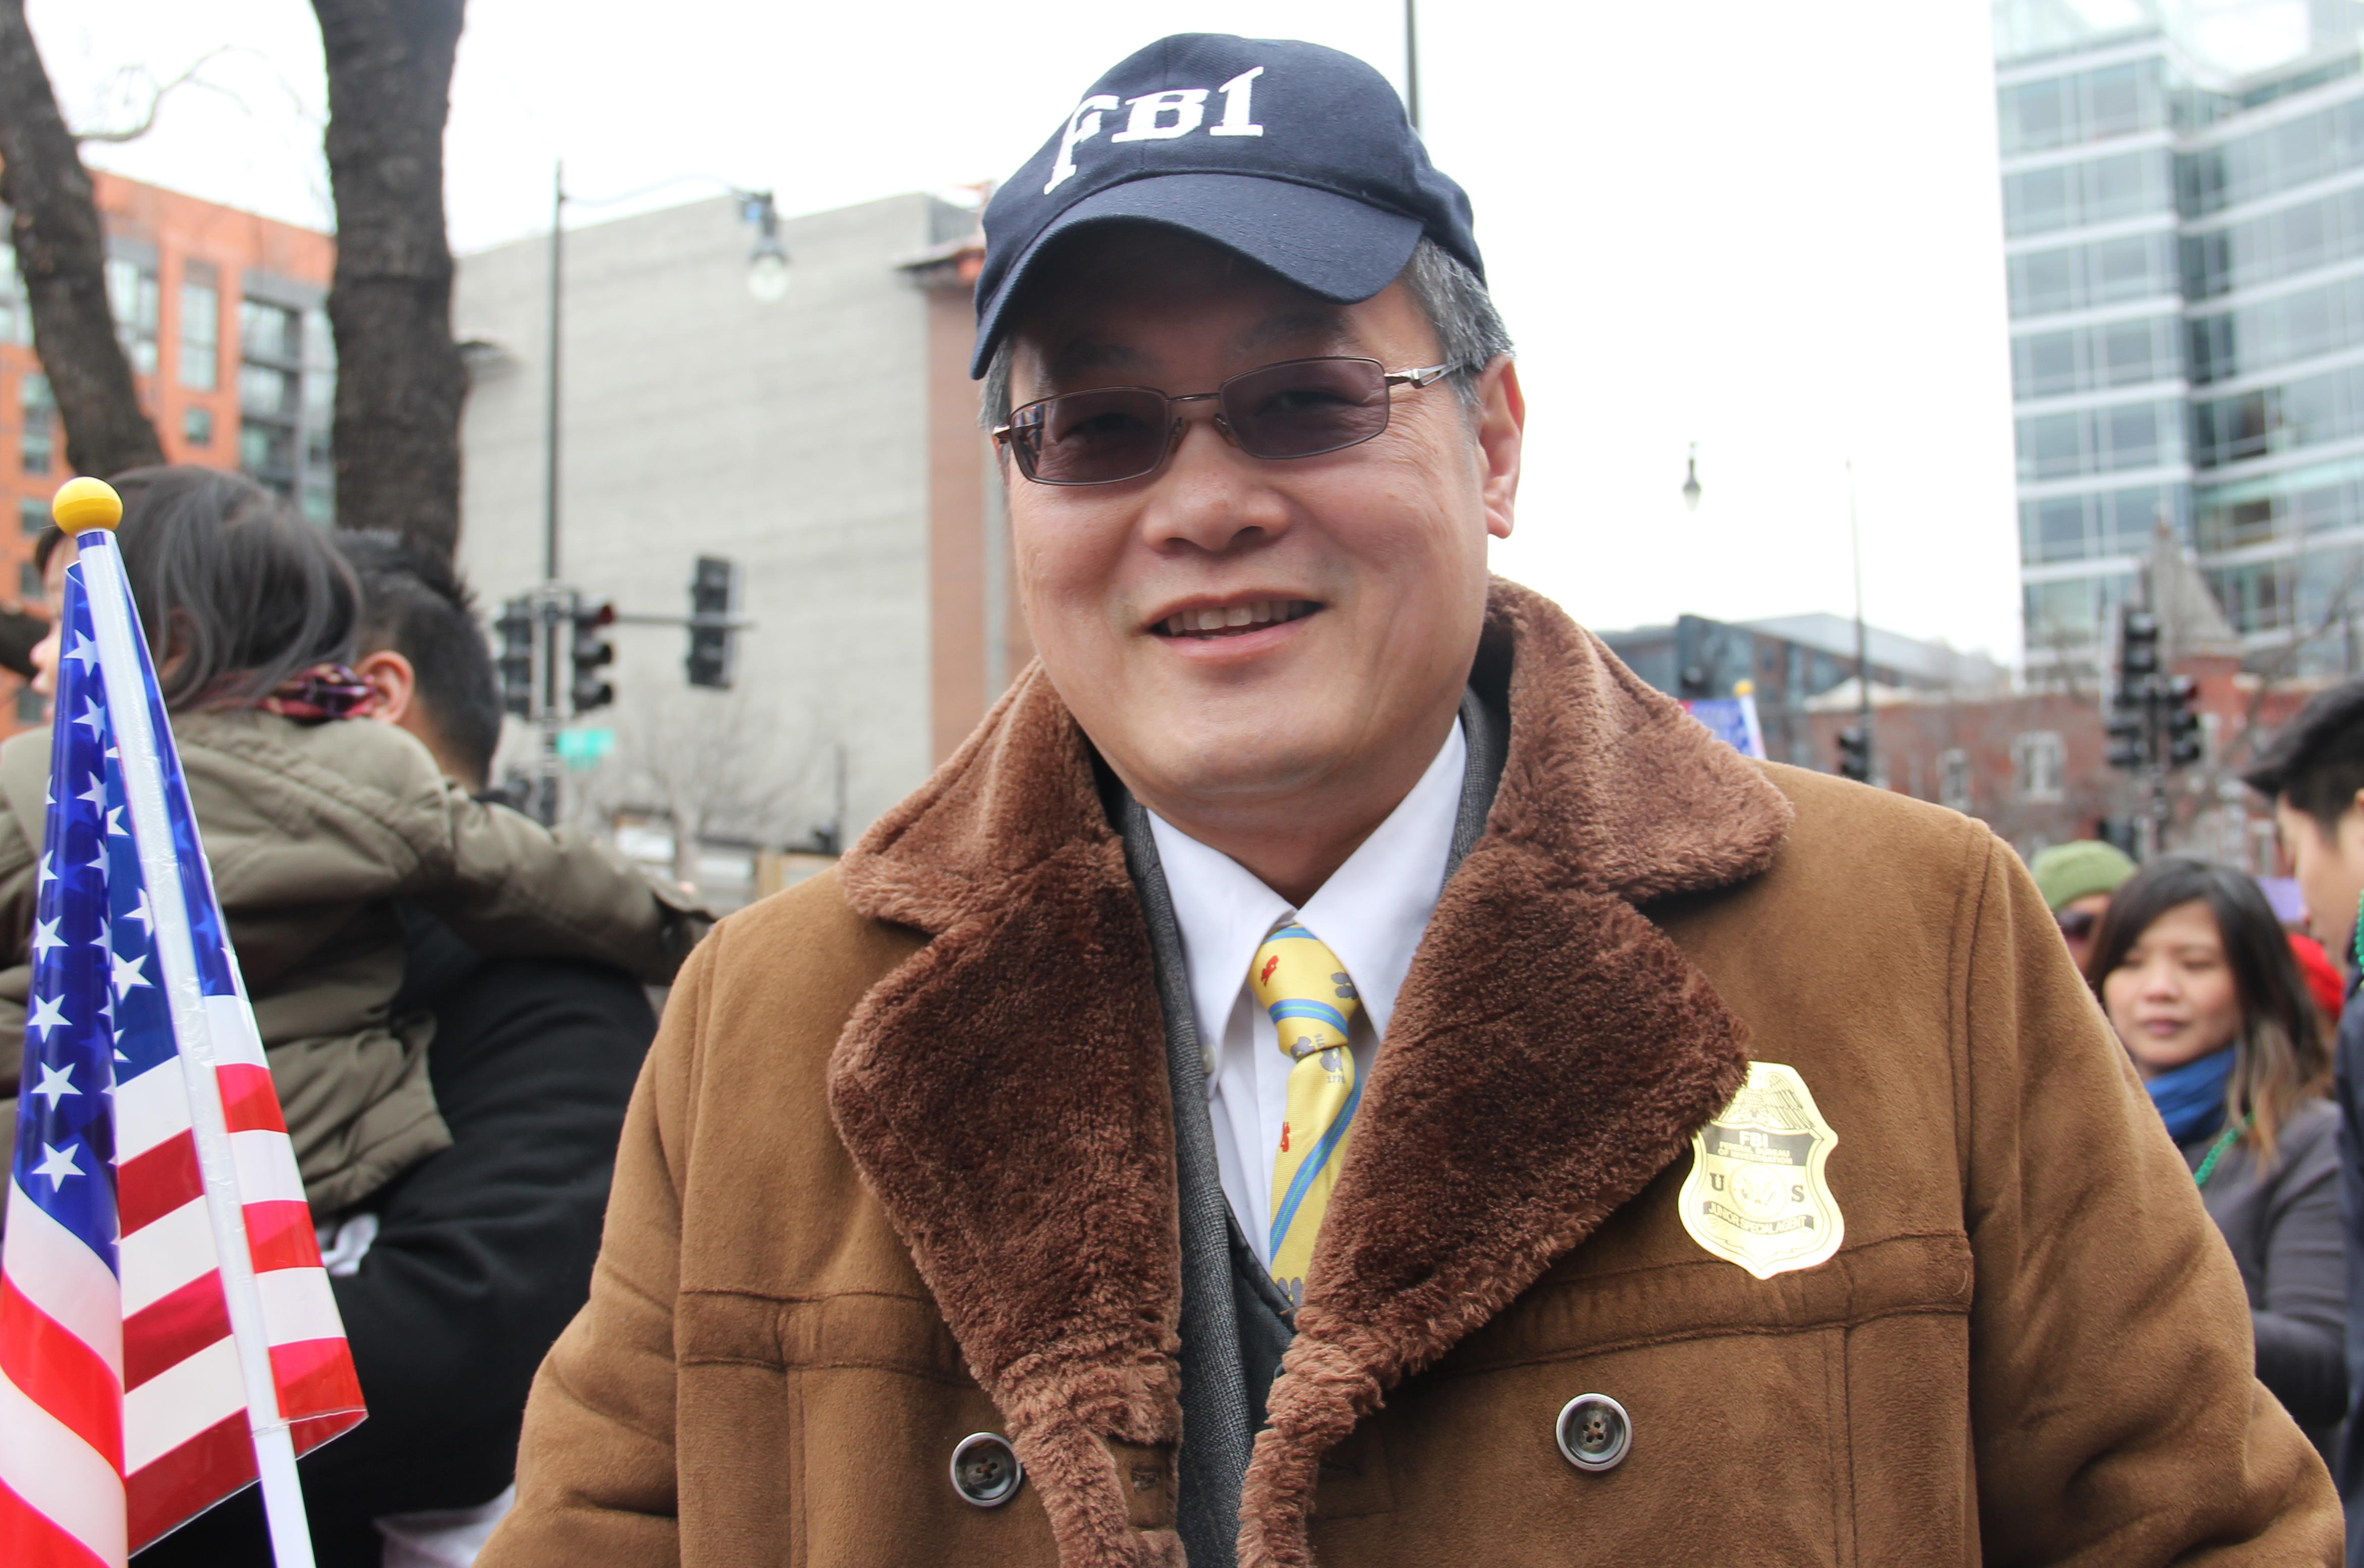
<point x="821" y="1433"/>
<point x="1764" y="1421"/>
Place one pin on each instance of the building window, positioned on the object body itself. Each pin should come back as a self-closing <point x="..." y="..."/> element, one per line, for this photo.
<point x="1954" y="779"/>
<point x="200" y="356"/>
<point x="32" y="517"/>
<point x="132" y="292"/>
<point x="2098" y="440"/>
<point x="16" y="315"/>
<point x="267" y="331"/>
<point x="29" y="584"/>
<point x="2036" y="761"/>
<point x="40" y="420"/>
<point x="266" y="390"/>
<point x="32" y="707"/>
<point x="2101" y="190"/>
<point x="197" y="427"/>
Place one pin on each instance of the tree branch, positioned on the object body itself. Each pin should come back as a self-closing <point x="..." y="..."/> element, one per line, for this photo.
<point x="157" y="93"/>
<point x="61" y="254"/>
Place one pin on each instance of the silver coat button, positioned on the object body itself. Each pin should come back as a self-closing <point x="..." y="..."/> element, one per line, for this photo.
<point x="1594" y="1432"/>
<point x="985" y="1471"/>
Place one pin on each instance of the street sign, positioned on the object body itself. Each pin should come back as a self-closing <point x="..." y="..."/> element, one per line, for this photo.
<point x="585" y="748"/>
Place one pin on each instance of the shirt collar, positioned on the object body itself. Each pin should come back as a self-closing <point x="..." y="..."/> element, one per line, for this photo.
<point x="1371" y="912"/>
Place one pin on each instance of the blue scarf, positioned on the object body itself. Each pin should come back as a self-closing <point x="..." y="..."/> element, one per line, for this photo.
<point x="2190" y="1098"/>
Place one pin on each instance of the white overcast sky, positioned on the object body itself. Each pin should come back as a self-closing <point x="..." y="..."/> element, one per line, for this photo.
<point x="1771" y="229"/>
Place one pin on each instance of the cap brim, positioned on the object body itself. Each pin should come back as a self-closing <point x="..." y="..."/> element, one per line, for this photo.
<point x="1326" y="244"/>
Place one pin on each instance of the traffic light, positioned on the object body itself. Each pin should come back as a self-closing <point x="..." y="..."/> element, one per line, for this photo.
<point x="2129" y="736"/>
<point x="590" y="651"/>
<point x="1855" y="753"/>
<point x="2184" y="746"/>
<point x="515" y="628"/>
<point x="713" y="637"/>
<point x="2137" y="648"/>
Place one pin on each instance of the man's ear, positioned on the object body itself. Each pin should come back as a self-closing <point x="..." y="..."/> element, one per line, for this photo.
<point x="390" y="675"/>
<point x="1501" y="434"/>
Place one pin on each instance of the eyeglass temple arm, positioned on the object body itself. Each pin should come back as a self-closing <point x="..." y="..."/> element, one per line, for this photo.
<point x="1424" y="376"/>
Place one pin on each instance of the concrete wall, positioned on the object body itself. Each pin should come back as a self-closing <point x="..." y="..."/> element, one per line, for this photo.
<point x="792" y="436"/>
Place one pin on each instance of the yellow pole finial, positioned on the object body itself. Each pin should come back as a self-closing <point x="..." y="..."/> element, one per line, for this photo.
<point x="80" y="504"/>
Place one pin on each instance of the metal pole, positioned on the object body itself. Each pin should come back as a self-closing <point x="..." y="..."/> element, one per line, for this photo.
<point x="1411" y="64"/>
<point x="552" y="612"/>
<point x="550" y="414"/>
<point x="1862" y="632"/>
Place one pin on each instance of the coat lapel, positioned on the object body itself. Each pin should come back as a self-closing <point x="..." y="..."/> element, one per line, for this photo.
<point x="1005" y="1095"/>
<point x="1551" y="1050"/>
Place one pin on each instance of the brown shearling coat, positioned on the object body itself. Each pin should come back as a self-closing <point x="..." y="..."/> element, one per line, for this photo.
<point x="901" y="1168"/>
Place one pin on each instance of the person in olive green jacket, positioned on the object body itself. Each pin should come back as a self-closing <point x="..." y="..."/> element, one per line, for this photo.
<point x="315" y="823"/>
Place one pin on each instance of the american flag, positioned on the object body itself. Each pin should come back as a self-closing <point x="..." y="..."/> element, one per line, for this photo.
<point x="127" y="1404"/>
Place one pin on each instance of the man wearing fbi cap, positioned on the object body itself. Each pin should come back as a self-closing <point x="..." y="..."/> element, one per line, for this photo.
<point x="1336" y="1070"/>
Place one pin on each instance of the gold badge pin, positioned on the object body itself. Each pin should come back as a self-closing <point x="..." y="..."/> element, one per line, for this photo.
<point x="1757" y="1194"/>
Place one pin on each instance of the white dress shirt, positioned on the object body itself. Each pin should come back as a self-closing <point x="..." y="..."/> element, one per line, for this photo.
<point x="1370" y="913"/>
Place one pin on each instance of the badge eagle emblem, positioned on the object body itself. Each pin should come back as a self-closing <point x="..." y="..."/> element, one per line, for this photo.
<point x="1757" y="1194"/>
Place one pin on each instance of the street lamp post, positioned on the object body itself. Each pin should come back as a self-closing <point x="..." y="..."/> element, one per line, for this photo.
<point x="1412" y="65"/>
<point x="767" y="281"/>
<point x="1690" y="480"/>
<point x="1862" y="630"/>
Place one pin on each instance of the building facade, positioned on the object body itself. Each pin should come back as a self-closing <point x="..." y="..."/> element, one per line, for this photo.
<point x="1792" y="665"/>
<point x="826" y="442"/>
<point x="222" y="316"/>
<point x="2185" y="255"/>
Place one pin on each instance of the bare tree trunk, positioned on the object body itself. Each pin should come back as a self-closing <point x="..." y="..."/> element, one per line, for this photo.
<point x="399" y="381"/>
<point x="61" y="251"/>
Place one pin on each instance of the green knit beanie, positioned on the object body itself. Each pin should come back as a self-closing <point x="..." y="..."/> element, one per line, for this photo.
<point x="2069" y="871"/>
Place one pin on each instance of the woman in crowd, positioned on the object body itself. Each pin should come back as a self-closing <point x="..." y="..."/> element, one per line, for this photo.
<point x="2197" y="980"/>
<point x="317" y="826"/>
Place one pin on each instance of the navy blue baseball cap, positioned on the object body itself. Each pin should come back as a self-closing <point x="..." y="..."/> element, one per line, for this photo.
<point x="1292" y="155"/>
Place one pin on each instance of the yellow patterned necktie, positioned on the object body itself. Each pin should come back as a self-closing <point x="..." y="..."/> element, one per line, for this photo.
<point x="1304" y="988"/>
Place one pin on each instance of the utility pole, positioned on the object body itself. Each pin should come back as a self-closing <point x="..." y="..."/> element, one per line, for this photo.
<point x="1862" y="631"/>
<point x="1411" y="64"/>
<point x="550" y="606"/>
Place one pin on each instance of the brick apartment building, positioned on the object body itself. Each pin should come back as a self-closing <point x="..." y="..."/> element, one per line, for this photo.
<point x="220" y="312"/>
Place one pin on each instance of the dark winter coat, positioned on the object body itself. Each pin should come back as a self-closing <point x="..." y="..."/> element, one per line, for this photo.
<point x="2349" y="1092"/>
<point x="2282" y="1223"/>
<point x="482" y="1252"/>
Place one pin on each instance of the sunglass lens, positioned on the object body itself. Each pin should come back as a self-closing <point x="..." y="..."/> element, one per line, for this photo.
<point x="1094" y="437"/>
<point x="2078" y="924"/>
<point x="1305" y="407"/>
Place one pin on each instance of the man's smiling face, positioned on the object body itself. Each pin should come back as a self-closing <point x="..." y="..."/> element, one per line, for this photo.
<point x="1232" y="631"/>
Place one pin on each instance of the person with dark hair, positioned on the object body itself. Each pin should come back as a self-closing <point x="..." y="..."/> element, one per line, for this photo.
<point x="454" y="1277"/>
<point x="2312" y="770"/>
<point x="316" y="826"/>
<point x="2197" y="977"/>
<point x="421" y="649"/>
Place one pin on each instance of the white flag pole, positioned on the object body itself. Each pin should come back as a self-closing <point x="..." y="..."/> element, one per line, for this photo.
<point x="121" y="664"/>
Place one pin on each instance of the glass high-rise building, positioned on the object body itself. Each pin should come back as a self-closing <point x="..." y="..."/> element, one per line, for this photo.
<point x="2183" y="211"/>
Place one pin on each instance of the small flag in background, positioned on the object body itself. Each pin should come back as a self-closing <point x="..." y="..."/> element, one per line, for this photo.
<point x="142" y="1371"/>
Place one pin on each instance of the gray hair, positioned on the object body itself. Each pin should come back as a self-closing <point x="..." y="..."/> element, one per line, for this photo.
<point x="1469" y="332"/>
